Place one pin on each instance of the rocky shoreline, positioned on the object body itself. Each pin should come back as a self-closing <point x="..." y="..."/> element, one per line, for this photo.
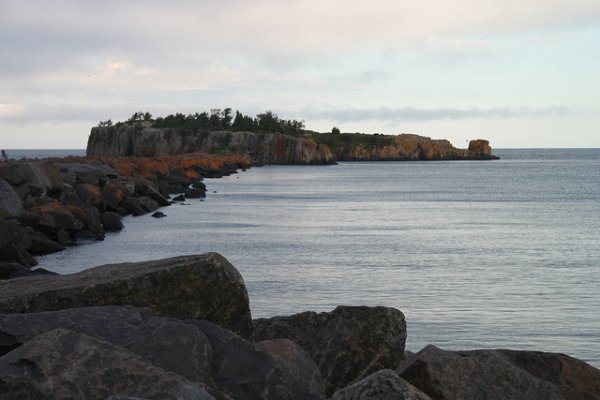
<point x="181" y="328"/>
<point x="48" y="204"/>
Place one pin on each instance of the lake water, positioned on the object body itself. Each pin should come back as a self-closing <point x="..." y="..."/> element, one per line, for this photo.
<point x="476" y="254"/>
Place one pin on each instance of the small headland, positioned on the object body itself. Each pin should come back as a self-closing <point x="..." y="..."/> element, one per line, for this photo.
<point x="48" y="204"/>
<point x="266" y="139"/>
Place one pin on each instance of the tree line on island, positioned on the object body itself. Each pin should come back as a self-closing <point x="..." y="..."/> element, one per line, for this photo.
<point x="267" y="122"/>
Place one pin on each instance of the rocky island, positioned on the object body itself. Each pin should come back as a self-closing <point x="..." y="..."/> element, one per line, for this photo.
<point x="267" y="140"/>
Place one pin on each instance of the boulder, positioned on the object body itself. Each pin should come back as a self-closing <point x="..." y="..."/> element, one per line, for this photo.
<point x="148" y="204"/>
<point x="12" y="270"/>
<point x="17" y="173"/>
<point x="245" y="373"/>
<point x="15" y="243"/>
<point x="175" y="346"/>
<point x="472" y="375"/>
<point x="382" y="385"/>
<point x="41" y="244"/>
<point x="132" y="205"/>
<point x="114" y="324"/>
<point x="178" y="198"/>
<point x="10" y="202"/>
<point x="111" y="221"/>
<point x="194" y="193"/>
<point x="90" y="194"/>
<point x="112" y="194"/>
<point x="159" y="214"/>
<point x="299" y="363"/>
<point x="189" y="287"/>
<point x="195" y="350"/>
<point x="347" y="344"/>
<point x="64" y="364"/>
<point x="574" y="378"/>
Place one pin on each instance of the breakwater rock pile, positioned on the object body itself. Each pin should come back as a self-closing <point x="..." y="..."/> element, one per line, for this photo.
<point x="143" y="140"/>
<point x="48" y="204"/>
<point x="181" y="329"/>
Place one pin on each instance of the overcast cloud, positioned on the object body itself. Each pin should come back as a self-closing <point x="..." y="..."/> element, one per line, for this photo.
<point x="68" y="64"/>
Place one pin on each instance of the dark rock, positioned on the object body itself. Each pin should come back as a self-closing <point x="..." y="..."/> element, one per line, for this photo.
<point x="472" y="375"/>
<point x="66" y="364"/>
<point x="86" y="213"/>
<point x="194" y="193"/>
<point x="10" y="202"/>
<point x="30" y="173"/>
<point x="54" y="177"/>
<point x="90" y="194"/>
<point x="348" y="343"/>
<point x="190" y="287"/>
<point x="178" y="198"/>
<point x="112" y="194"/>
<point x="12" y="270"/>
<point x="159" y="214"/>
<point x="112" y="221"/>
<point x="299" y="363"/>
<point x="114" y="324"/>
<point x="382" y="385"/>
<point x="244" y="373"/>
<point x="15" y="243"/>
<point x="148" y="204"/>
<point x="159" y="199"/>
<point x="575" y="378"/>
<point x="132" y="205"/>
<point x="64" y="238"/>
<point x="41" y="244"/>
<point x="195" y="350"/>
<point x="175" y="346"/>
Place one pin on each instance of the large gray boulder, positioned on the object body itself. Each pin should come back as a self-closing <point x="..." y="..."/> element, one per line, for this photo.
<point x="15" y="243"/>
<point x="62" y="364"/>
<point x="196" y="351"/>
<point x="347" y="344"/>
<point x="10" y="202"/>
<point x="473" y="375"/>
<point x="189" y="287"/>
<point x="18" y="173"/>
<point x="382" y="385"/>
<point x="299" y="363"/>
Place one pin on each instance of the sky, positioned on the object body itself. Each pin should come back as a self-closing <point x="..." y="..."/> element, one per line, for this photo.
<point x="520" y="73"/>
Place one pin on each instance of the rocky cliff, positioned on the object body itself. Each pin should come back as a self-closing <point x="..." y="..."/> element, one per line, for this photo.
<point x="143" y="140"/>
<point x="407" y="147"/>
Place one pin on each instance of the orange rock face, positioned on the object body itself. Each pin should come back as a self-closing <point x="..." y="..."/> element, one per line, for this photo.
<point x="480" y="147"/>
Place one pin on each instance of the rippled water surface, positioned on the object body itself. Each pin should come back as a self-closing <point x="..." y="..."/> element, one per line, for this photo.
<point x="476" y="254"/>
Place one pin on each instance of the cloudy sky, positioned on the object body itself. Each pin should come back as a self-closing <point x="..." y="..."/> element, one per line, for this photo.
<point x="521" y="73"/>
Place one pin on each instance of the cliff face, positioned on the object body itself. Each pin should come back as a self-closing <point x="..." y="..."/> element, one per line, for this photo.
<point x="407" y="147"/>
<point x="145" y="141"/>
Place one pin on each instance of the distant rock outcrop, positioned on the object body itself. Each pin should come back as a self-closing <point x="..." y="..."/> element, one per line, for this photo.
<point x="407" y="147"/>
<point x="143" y="140"/>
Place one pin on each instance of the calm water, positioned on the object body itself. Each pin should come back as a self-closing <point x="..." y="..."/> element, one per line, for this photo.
<point x="43" y="153"/>
<point x="476" y="254"/>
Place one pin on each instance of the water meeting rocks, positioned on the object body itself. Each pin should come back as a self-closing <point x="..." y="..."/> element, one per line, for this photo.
<point x="347" y="344"/>
<point x="189" y="287"/>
